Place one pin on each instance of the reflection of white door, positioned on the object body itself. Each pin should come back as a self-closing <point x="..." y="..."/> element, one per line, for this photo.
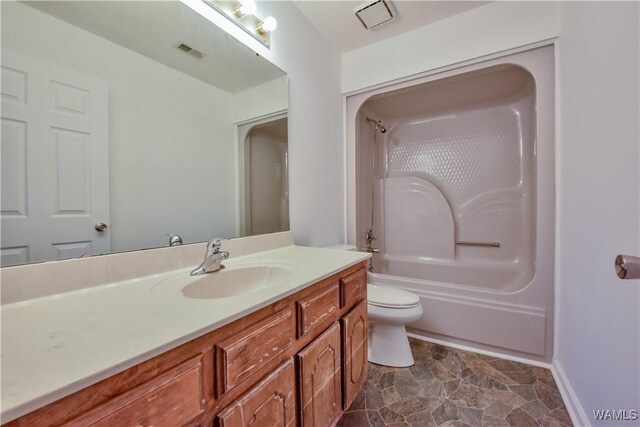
<point x="55" y="167"/>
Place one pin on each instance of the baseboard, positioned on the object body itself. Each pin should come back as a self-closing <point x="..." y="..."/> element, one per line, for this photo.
<point x="480" y="351"/>
<point x="574" y="408"/>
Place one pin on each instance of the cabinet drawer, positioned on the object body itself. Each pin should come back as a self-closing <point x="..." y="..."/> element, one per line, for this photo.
<point x="321" y="380"/>
<point x="249" y="350"/>
<point x="271" y="402"/>
<point x="318" y="309"/>
<point x="354" y="287"/>
<point x="170" y="399"/>
<point x="355" y="355"/>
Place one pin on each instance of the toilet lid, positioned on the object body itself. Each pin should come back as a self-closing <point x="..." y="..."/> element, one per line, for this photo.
<point x="387" y="296"/>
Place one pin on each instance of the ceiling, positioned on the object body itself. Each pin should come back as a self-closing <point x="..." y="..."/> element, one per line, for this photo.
<point x="337" y="22"/>
<point x="156" y="28"/>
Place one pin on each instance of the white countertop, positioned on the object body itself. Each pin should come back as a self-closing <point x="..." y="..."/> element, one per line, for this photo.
<point x="56" y="345"/>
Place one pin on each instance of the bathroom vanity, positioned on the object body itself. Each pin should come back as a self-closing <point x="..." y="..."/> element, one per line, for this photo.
<point x="295" y="352"/>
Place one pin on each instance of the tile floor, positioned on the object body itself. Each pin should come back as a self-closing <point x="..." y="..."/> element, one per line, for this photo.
<point x="454" y="388"/>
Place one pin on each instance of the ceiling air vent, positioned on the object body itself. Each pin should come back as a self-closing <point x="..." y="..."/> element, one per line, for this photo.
<point x="372" y="14"/>
<point x="191" y="51"/>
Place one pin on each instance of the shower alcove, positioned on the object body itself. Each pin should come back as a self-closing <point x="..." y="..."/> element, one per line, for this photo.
<point x="458" y="192"/>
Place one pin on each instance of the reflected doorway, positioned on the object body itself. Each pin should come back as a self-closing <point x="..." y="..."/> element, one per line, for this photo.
<point x="264" y="181"/>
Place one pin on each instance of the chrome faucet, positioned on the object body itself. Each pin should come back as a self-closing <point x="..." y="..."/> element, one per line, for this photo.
<point x="212" y="259"/>
<point x="369" y="238"/>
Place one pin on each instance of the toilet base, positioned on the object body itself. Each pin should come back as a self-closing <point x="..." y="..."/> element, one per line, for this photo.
<point x="389" y="345"/>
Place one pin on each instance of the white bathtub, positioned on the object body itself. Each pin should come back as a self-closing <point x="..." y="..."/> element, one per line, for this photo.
<point x="501" y="112"/>
<point x="453" y="274"/>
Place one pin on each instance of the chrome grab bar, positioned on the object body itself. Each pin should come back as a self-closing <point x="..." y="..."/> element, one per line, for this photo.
<point x="488" y="244"/>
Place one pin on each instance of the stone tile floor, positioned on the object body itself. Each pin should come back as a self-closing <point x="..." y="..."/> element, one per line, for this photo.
<point x="454" y="388"/>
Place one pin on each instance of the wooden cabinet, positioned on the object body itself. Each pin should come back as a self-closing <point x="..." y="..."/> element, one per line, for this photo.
<point x="321" y="379"/>
<point x="271" y="402"/>
<point x="354" y="338"/>
<point x="317" y="309"/>
<point x="302" y="356"/>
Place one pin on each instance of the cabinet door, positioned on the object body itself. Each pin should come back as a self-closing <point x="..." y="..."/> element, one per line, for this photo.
<point x="354" y="339"/>
<point x="320" y="379"/>
<point x="271" y="402"/>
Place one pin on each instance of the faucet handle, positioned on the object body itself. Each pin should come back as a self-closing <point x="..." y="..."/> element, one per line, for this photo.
<point x="214" y="245"/>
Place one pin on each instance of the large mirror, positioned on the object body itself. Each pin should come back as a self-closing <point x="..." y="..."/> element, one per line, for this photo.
<point x="131" y="125"/>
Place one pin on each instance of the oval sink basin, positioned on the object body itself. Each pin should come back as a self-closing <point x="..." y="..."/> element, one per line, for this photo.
<point x="234" y="281"/>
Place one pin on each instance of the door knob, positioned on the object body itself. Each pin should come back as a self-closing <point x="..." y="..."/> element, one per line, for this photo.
<point x="628" y="267"/>
<point x="101" y="226"/>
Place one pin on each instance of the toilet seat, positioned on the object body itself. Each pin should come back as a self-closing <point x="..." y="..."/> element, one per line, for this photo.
<point x="389" y="297"/>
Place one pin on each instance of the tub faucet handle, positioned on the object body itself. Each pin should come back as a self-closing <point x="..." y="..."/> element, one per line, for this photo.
<point x="370" y="237"/>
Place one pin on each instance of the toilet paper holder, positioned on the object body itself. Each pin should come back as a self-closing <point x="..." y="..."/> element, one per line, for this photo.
<point x="628" y="267"/>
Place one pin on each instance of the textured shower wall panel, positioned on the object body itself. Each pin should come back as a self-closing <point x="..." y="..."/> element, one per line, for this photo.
<point x="475" y="158"/>
<point x="469" y="153"/>
<point x="417" y="220"/>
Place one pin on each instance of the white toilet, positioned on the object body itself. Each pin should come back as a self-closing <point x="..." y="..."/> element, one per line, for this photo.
<point x="389" y="310"/>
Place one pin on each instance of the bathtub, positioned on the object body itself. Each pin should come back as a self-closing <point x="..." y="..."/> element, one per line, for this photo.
<point x="467" y="156"/>
<point x="451" y="274"/>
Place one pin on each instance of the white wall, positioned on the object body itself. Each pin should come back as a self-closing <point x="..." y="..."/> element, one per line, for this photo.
<point x="315" y="125"/>
<point x="163" y="126"/>
<point x="598" y="342"/>
<point x="598" y="174"/>
<point x="315" y="112"/>
<point x="478" y="32"/>
<point x="262" y="100"/>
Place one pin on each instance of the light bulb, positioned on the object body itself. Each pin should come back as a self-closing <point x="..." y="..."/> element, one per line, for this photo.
<point x="269" y="24"/>
<point x="247" y="7"/>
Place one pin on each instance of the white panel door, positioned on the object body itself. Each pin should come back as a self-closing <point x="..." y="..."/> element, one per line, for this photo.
<point x="55" y="164"/>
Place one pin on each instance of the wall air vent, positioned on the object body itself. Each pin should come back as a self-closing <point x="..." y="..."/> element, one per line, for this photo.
<point x="191" y="51"/>
<point x="372" y="14"/>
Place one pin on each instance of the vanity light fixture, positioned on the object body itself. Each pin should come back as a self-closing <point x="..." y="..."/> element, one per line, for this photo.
<point x="242" y="13"/>
<point x="247" y="7"/>
<point x="268" y="25"/>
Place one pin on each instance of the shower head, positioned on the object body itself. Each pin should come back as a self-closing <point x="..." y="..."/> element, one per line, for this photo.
<point x="378" y="124"/>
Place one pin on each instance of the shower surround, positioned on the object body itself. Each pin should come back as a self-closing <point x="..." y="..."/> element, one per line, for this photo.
<point x="463" y="199"/>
